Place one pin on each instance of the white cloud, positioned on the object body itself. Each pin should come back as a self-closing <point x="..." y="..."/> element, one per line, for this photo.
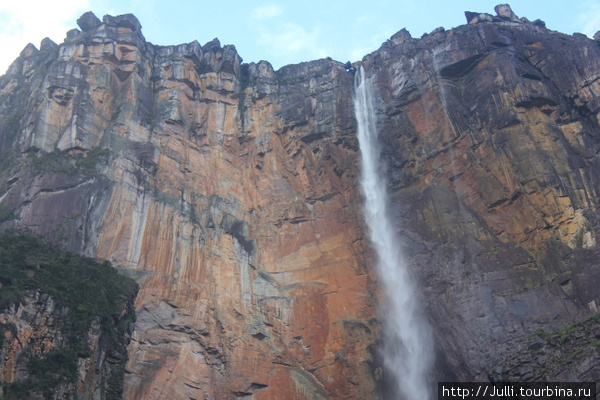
<point x="357" y="53"/>
<point x="267" y="11"/>
<point x="366" y="44"/>
<point x="288" y="40"/>
<point x="23" y="22"/>
<point x="588" y="19"/>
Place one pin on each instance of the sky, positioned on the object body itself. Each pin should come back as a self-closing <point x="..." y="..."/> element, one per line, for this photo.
<point x="279" y="32"/>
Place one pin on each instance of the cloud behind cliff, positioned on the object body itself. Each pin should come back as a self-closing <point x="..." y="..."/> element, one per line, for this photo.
<point x="266" y="11"/>
<point x="22" y="22"/>
<point x="281" y="38"/>
<point x="588" y="17"/>
<point x="280" y="32"/>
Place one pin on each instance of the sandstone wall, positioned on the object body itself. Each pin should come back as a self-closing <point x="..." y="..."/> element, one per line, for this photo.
<point x="229" y="191"/>
<point x="492" y="133"/>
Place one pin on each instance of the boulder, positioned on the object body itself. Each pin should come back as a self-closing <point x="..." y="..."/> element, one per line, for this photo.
<point x="123" y="21"/>
<point x="475" y="18"/>
<point x="72" y="34"/>
<point x="401" y="36"/>
<point x="505" y="12"/>
<point x="29" y="50"/>
<point x="47" y="44"/>
<point x="88" y="21"/>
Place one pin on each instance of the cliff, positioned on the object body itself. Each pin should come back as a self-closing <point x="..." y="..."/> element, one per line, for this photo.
<point x="65" y="321"/>
<point x="229" y="192"/>
<point x="492" y="136"/>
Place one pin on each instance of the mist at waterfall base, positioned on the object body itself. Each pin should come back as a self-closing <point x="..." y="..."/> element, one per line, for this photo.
<point x="408" y="344"/>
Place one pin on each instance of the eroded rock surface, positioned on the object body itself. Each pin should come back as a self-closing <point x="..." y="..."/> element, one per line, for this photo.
<point x="65" y="322"/>
<point x="229" y="191"/>
<point x="492" y="134"/>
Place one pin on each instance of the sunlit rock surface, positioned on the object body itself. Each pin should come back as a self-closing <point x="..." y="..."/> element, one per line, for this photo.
<point x="229" y="191"/>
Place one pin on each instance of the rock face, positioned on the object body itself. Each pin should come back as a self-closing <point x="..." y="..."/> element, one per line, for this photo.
<point x="65" y="322"/>
<point x="492" y="136"/>
<point x="229" y="191"/>
<point x="34" y="329"/>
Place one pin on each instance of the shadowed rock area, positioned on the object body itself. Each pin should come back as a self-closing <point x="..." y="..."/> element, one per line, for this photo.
<point x="65" y="322"/>
<point x="229" y="191"/>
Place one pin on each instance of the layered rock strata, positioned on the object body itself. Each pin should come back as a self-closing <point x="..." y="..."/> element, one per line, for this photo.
<point x="492" y="134"/>
<point x="229" y="191"/>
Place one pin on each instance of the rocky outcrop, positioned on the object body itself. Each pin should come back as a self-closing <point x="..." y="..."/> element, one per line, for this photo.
<point x="229" y="191"/>
<point x="492" y="137"/>
<point x="569" y="354"/>
<point x="88" y="21"/>
<point x="65" y="322"/>
<point x="503" y="14"/>
<point x="34" y="341"/>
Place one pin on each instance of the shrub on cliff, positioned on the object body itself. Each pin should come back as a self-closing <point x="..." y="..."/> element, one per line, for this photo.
<point x="85" y="290"/>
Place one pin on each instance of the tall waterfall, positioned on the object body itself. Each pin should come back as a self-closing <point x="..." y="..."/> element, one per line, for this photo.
<point x="408" y="344"/>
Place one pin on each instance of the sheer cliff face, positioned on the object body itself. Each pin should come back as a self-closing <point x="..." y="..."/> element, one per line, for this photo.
<point x="229" y="191"/>
<point x="493" y="134"/>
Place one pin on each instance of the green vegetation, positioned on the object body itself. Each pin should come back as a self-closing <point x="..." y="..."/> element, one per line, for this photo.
<point x="11" y="128"/>
<point x="6" y="213"/>
<point x="10" y="125"/>
<point x="564" y="346"/>
<point x="84" y="290"/>
<point x="563" y="335"/>
<point x="116" y="114"/>
<point x="536" y="346"/>
<point x="3" y="329"/>
<point x="150" y="119"/>
<point x="59" y="161"/>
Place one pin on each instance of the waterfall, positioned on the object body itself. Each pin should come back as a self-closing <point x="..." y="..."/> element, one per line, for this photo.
<point x="408" y="343"/>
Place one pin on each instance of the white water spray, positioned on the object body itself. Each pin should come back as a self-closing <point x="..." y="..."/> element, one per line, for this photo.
<point x="408" y="344"/>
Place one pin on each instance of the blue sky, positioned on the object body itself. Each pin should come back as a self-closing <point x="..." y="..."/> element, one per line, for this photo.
<point x="280" y="32"/>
